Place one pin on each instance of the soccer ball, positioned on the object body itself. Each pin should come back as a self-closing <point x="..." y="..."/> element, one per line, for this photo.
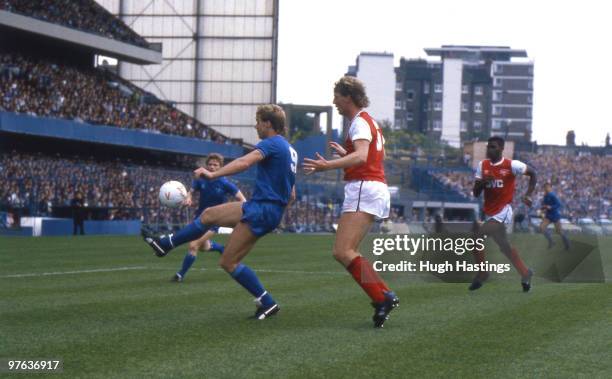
<point x="172" y="194"/>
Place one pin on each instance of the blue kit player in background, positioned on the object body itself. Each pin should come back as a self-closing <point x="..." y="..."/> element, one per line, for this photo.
<point x="274" y="189"/>
<point x="552" y="206"/>
<point x="212" y="192"/>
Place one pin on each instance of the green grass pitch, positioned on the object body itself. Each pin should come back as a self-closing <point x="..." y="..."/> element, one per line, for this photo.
<point x="105" y="306"/>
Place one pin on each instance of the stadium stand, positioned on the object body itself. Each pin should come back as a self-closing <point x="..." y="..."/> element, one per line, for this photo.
<point x="84" y="15"/>
<point x="583" y="183"/>
<point x="41" y="87"/>
<point x="43" y="185"/>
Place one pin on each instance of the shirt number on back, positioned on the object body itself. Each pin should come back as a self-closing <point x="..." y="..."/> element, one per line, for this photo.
<point x="294" y="160"/>
<point x="379" y="139"/>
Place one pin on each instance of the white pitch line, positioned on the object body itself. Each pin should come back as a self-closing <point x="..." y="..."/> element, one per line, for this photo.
<point x="35" y="274"/>
<point x="290" y="271"/>
<point x="73" y="272"/>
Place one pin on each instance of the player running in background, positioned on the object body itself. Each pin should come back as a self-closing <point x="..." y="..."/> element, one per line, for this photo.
<point x="496" y="177"/>
<point x="366" y="195"/>
<point x="212" y="192"/>
<point x="274" y="189"/>
<point x="551" y="205"/>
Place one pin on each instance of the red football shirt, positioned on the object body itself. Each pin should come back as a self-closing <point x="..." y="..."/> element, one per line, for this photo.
<point x="499" y="192"/>
<point x="364" y="127"/>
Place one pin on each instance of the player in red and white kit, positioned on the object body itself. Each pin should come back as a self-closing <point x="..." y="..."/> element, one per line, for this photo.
<point x="366" y="195"/>
<point x="496" y="177"/>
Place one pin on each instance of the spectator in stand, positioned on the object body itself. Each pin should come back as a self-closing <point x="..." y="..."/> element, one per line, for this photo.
<point x="50" y="89"/>
<point x="583" y="183"/>
<point x="85" y="15"/>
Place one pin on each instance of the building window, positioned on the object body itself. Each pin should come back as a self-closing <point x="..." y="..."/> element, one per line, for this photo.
<point x="529" y="99"/>
<point x="398" y="104"/>
<point x="477" y="125"/>
<point x="498" y="69"/>
<point x="437" y="106"/>
<point x="530" y="84"/>
<point x="465" y="88"/>
<point x="399" y="86"/>
<point x="426" y="89"/>
<point x="438" y="88"/>
<point x="477" y="107"/>
<point x="409" y="116"/>
<point x="530" y="70"/>
<point x="478" y="90"/>
<point x="497" y="96"/>
<point x="464" y="107"/>
<point x="497" y="124"/>
<point x="426" y="106"/>
<point x="528" y="112"/>
<point x="463" y="126"/>
<point x="497" y="82"/>
<point x="410" y="95"/>
<point x="496" y="110"/>
<point x="437" y="125"/>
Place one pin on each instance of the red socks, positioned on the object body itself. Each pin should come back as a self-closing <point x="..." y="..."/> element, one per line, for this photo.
<point x="518" y="263"/>
<point x="368" y="279"/>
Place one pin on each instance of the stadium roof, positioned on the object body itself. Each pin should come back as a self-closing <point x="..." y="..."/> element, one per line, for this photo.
<point x="16" y="23"/>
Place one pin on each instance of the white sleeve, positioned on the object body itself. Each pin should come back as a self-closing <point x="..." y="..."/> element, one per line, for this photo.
<point x="478" y="174"/>
<point x="518" y="168"/>
<point x="360" y="129"/>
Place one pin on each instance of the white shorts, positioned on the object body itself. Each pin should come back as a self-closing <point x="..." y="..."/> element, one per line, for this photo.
<point x="504" y="216"/>
<point x="367" y="196"/>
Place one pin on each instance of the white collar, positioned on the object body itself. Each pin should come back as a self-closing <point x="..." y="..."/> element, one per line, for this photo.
<point x="357" y="115"/>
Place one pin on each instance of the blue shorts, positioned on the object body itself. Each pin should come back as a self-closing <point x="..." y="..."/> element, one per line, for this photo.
<point x="198" y="213"/>
<point x="553" y="216"/>
<point x="262" y="216"/>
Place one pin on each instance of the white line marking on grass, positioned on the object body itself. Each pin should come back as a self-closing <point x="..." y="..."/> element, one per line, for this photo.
<point x="288" y="271"/>
<point x="73" y="272"/>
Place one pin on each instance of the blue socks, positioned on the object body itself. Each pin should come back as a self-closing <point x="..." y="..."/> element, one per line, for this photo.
<point x="548" y="237"/>
<point x="189" y="233"/>
<point x="187" y="262"/>
<point x="248" y="279"/>
<point x="216" y="247"/>
<point x="565" y="241"/>
<point x="189" y="259"/>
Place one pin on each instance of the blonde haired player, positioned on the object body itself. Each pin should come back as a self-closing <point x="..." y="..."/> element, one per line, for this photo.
<point x="366" y="195"/>
<point x="212" y="192"/>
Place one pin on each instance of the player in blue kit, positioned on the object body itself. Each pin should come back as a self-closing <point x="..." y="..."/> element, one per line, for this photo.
<point x="552" y="206"/>
<point x="212" y="192"/>
<point x="274" y="189"/>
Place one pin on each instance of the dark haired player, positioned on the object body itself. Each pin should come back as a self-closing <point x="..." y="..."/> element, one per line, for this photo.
<point x="274" y="189"/>
<point x="552" y="206"/>
<point x="496" y="177"/>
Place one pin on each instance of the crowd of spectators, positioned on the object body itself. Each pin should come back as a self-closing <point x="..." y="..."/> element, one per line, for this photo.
<point x="35" y="184"/>
<point x="49" y="89"/>
<point x="583" y="183"/>
<point x="84" y="15"/>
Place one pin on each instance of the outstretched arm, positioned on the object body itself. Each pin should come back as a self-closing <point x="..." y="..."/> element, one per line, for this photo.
<point x="357" y="157"/>
<point x="234" y="167"/>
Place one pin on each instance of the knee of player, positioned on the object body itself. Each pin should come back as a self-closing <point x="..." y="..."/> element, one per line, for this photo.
<point x="227" y="265"/>
<point x="193" y="248"/>
<point x="339" y="253"/>
<point x="205" y="216"/>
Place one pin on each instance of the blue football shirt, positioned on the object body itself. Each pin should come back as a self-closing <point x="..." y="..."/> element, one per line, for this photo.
<point x="276" y="172"/>
<point x="213" y="192"/>
<point x="552" y="200"/>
